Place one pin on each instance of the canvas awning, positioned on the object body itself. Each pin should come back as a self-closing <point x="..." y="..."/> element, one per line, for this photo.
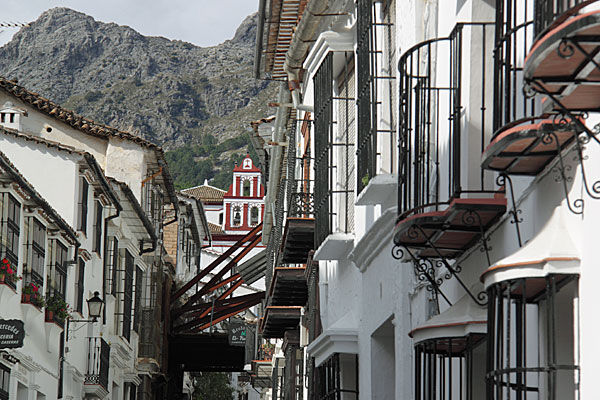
<point x="551" y="251"/>
<point x="462" y="319"/>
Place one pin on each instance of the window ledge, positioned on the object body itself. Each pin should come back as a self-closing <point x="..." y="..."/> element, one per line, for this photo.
<point x="336" y="246"/>
<point x="374" y="240"/>
<point x="381" y="189"/>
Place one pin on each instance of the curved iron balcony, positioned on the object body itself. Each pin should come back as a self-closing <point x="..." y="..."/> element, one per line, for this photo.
<point x="529" y="132"/>
<point x="445" y="200"/>
<point x="563" y="62"/>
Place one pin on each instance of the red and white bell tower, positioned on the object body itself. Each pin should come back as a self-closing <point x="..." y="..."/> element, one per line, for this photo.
<point x="243" y="202"/>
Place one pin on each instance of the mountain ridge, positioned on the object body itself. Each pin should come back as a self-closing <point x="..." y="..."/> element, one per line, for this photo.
<point x="168" y="91"/>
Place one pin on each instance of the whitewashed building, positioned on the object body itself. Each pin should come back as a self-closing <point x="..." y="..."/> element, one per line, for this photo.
<point x="444" y="154"/>
<point x="111" y="187"/>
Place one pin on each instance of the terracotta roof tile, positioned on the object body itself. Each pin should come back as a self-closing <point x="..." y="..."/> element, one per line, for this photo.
<point x="214" y="228"/>
<point x="205" y="193"/>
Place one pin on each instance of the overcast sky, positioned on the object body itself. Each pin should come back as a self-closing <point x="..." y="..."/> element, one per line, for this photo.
<point x="201" y="22"/>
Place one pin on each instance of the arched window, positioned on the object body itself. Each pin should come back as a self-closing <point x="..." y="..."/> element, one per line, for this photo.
<point x="237" y="216"/>
<point x="254" y="216"/>
<point x="246" y="188"/>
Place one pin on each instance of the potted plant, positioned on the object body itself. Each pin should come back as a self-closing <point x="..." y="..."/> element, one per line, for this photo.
<point x="57" y="309"/>
<point x="31" y="295"/>
<point x="8" y="275"/>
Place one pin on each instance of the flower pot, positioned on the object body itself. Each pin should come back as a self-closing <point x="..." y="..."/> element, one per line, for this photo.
<point x="26" y="298"/>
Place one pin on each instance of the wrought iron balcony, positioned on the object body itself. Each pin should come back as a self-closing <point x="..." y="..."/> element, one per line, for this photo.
<point x="446" y="201"/>
<point x="544" y="48"/>
<point x="98" y="365"/>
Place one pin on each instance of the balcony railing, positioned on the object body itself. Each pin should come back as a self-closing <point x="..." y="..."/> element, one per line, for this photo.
<point x="439" y="151"/>
<point x="98" y="362"/>
<point x="547" y="13"/>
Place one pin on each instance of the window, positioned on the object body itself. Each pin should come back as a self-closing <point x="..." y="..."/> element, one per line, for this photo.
<point x="246" y="188"/>
<point x="532" y="339"/>
<point x="337" y="375"/>
<point x="130" y="391"/>
<point x="111" y="262"/>
<point x="127" y="295"/>
<point x="79" y="286"/>
<point x="450" y="368"/>
<point x="97" y="235"/>
<point x="35" y="252"/>
<point x="334" y="147"/>
<point x="237" y="216"/>
<point x="4" y="382"/>
<point x="376" y="88"/>
<point x="2" y="117"/>
<point x="221" y="218"/>
<point x="10" y="211"/>
<point x="57" y="270"/>
<point x="254" y="216"/>
<point x="139" y="287"/>
<point x="83" y="205"/>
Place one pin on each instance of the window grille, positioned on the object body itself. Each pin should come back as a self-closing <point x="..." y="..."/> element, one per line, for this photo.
<point x="153" y="200"/>
<point x="35" y="253"/>
<point x="112" y="265"/>
<point x="83" y="205"/>
<point x="330" y="382"/>
<point x="334" y="149"/>
<point x="79" y="286"/>
<point x="376" y="60"/>
<point x="10" y="220"/>
<point x="532" y="339"/>
<point x="293" y="373"/>
<point x="448" y="368"/>
<point x="139" y="287"/>
<point x="4" y="382"/>
<point x="127" y="295"/>
<point x="97" y="234"/>
<point x="323" y="83"/>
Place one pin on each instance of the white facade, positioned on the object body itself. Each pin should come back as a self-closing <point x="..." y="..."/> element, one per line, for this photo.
<point x="109" y="187"/>
<point x="397" y="288"/>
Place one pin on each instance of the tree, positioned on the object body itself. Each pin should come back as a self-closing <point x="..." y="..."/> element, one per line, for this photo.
<point x="212" y="386"/>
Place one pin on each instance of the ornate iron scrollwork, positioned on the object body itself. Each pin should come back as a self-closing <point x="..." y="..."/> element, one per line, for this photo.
<point x="302" y="205"/>
<point x="504" y="180"/>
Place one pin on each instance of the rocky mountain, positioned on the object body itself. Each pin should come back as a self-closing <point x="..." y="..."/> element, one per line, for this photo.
<point x="168" y="91"/>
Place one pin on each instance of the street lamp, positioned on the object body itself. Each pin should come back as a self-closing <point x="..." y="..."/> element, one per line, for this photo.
<point x="94" y="311"/>
<point x="95" y="307"/>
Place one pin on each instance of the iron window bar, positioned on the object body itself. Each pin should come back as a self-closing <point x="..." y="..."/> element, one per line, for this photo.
<point x="374" y="18"/>
<point x="329" y="383"/>
<point x="98" y="362"/>
<point x="529" y="308"/>
<point x="334" y="145"/>
<point x="10" y="217"/>
<point x="444" y="368"/>
<point x="4" y="382"/>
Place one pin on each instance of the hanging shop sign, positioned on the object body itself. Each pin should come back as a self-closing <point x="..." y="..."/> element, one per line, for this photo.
<point x="237" y="334"/>
<point x="12" y="333"/>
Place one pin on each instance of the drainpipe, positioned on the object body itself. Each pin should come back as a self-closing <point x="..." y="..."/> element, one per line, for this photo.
<point x="260" y="28"/>
<point x="290" y="97"/>
<point x="281" y="120"/>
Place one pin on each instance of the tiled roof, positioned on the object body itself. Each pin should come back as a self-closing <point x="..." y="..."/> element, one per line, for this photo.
<point x="85" y="125"/>
<point x="214" y="228"/>
<point x="67" y="116"/>
<point x="205" y="193"/>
